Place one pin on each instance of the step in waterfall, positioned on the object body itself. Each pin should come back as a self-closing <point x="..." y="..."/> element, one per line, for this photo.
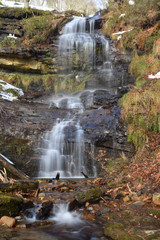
<point x="64" y="148"/>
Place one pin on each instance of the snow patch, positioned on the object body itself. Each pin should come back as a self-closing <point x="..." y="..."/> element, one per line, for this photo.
<point x="131" y="2"/>
<point x="9" y="92"/>
<point x="122" y="15"/>
<point x="6" y="3"/>
<point x="12" y="36"/>
<point x="15" y="4"/>
<point x="119" y="33"/>
<point x="157" y="75"/>
<point x="119" y="37"/>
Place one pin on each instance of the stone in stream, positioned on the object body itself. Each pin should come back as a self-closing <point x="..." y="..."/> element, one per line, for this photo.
<point x="8" y="221"/>
<point x="45" y="210"/>
<point x="91" y="196"/>
<point x="10" y="205"/>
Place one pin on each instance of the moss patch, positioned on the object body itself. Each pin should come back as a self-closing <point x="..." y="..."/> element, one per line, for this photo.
<point x="92" y="195"/>
<point x="10" y="205"/>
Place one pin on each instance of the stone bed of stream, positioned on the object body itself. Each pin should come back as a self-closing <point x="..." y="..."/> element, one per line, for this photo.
<point x="98" y="213"/>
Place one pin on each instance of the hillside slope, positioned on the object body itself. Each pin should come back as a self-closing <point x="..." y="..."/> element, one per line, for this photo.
<point x="135" y="28"/>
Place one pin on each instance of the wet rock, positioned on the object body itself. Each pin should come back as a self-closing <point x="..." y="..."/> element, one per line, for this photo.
<point x="45" y="210"/>
<point x="8" y="221"/>
<point x="29" y="213"/>
<point x="73" y="205"/>
<point x="103" y="98"/>
<point x="21" y="226"/>
<point x="156" y="199"/>
<point x="10" y="205"/>
<point x="27" y="204"/>
<point x="91" y="196"/>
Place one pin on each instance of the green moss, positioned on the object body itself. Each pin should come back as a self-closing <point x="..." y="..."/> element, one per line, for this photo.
<point x="10" y="42"/>
<point x="117" y="231"/>
<point x="140" y="81"/>
<point x="128" y="39"/>
<point x="10" y="146"/>
<point x="92" y="195"/>
<point x="20" y="13"/>
<point x="31" y="82"/>
<point x="39" y="29"/>
<point x="140" y="111"/>
<point x="10" y="205"/>
<point x="69" y="84"/>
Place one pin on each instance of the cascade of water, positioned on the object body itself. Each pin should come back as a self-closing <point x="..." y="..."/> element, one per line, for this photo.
<point x="80" y="47"/>
<point x="65" y="151"/>
<point x="63" y="148"/>
<point x="91" y="26"/>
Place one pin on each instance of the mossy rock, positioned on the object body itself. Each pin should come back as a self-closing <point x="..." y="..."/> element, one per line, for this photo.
<point x="10" y="205"/>
<point x="18" y="13"/>
<point x="117" y="231"/>
<point x="92" y="196"/>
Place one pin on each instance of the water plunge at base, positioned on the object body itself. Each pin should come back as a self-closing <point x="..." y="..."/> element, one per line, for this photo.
<point x="59" y="214"/>
<point x="64" y="217"/>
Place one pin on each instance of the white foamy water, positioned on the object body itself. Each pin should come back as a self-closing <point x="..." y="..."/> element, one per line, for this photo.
<point x="60" y="214"/>
<point x="64" y="147"/>
<point x="63" y="217"/>
<point x="78" y="44"/>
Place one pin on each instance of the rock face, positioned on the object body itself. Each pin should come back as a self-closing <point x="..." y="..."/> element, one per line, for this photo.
<point x="22" y="126"/>
<point x="10" y="205"/>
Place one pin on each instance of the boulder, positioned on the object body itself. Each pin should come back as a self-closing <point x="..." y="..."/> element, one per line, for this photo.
<point x="73" y="204"/>
<point x="91" y="196"/>
<point x="9" y="221"/>
<point x="10" y="205"/>
<point x="45" y="210"/>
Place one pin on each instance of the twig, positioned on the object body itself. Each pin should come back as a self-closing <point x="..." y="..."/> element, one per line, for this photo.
<point x="103" y="199"/>
<point x="3" y="176"/>
<point x="129" y="188"/>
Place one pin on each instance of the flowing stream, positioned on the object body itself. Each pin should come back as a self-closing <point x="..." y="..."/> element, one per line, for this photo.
<point x="77" y="50"/>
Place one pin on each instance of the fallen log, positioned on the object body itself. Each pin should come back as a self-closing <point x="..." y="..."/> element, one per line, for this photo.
<point x="5" y="162"/>
<point x="23" y="186"/>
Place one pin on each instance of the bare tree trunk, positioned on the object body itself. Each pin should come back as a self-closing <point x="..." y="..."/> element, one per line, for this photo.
<point x="14" y="171"/>
<point x="26" y="4"/>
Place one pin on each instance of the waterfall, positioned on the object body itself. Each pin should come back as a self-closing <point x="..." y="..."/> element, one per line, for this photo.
<point x="80" y="47"/>
<point x="64" y="149"/>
